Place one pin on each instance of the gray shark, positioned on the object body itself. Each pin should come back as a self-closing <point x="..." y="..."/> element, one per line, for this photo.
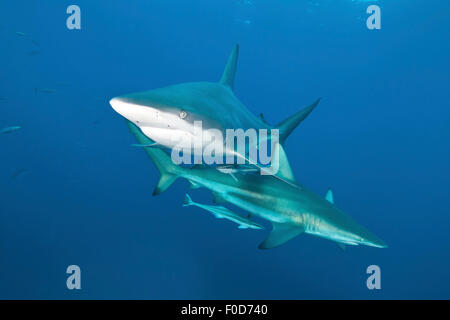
<point x="168" y="115"/>
<point x="292" y="211"/>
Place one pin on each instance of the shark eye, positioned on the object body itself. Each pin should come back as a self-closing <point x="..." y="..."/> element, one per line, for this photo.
<point x="183" y="114"/>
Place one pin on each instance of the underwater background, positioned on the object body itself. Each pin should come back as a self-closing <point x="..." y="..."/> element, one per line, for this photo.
<point x="73" y="191"/>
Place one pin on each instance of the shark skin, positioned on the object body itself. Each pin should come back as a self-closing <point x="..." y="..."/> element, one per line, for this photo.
<point x="167" y="115"/>
<point x="291" y="210"/>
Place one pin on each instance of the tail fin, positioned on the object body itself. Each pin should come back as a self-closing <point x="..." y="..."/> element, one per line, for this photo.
<point x="168" y="170"/>
<point x="288" y="125"/>
<point x="187" y="201"/>
<point x="230" y="69"/>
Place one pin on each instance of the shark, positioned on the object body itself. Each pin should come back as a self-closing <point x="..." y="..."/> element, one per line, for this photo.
<point x="221" y="212"/>
<point x="291" y="211"/>
<point x="168" y="117"/>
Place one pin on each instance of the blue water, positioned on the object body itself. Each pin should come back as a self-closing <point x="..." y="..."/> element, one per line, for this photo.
<point x="73" y="191"/>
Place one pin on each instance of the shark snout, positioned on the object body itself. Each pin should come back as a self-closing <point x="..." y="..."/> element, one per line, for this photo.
<point x="372" y="240"/>
<point x="141" y="115"/>
<point x="378" y="243"/>
<point x="121" y="107"/>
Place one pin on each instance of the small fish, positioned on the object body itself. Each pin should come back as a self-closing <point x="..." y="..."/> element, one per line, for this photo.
<point x="224" y="213"/>
<point x="19" y="173"/>
<point x="10" y="129"/>
<point x="233" y="169"/>
<point x="23" y="34"/>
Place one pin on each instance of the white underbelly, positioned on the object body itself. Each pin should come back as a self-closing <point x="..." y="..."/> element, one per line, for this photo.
<point x="184" y="140"/>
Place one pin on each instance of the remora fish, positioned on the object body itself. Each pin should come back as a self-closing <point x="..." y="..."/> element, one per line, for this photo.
<point x="10" y="129"/>
<point x="168" y="115"/>
<point x="233" y="169"/>
<point x="291" y="210"/>
<point x="224" y="213"/>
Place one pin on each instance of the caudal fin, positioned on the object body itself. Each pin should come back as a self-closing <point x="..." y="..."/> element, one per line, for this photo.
<point x="168" y="170"/>
<point x="187" y="201"/>
<point x="288" y="125"/>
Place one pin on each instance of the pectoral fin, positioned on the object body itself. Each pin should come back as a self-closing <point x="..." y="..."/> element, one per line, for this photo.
<point x="164" y="183"/>
<point x="280" y="234"/>
<point x="150" y="145"/>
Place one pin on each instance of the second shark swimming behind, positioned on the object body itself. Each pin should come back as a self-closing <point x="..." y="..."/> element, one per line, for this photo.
<point x="291" y="210"/>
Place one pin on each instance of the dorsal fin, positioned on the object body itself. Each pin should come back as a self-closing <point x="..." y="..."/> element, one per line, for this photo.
<point x="230" y="69"/>
<point x="329" y="196"/>
<point x="280" y="162"/>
